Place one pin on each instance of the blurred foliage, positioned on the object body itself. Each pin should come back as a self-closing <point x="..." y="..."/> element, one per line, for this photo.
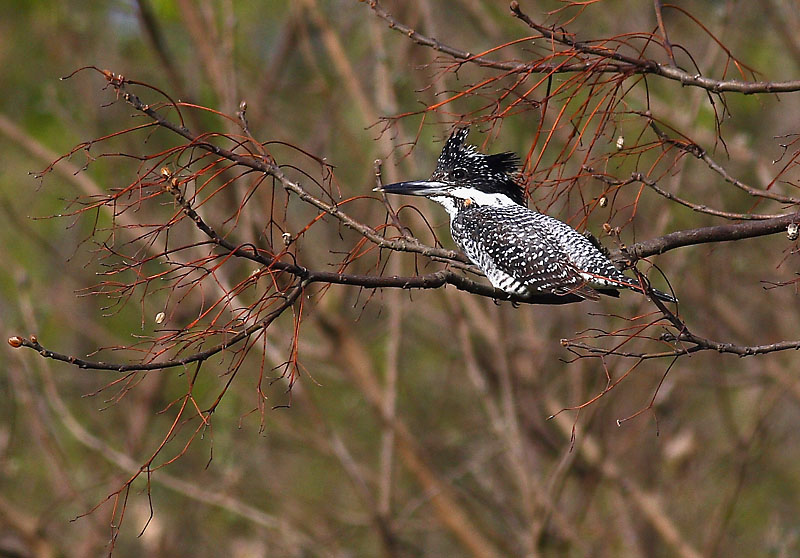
<point x="716" y="475"/>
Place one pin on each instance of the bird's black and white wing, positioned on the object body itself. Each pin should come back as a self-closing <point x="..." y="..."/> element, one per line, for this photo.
<point x="595" y="267"/>
<point x="514" y="252"/>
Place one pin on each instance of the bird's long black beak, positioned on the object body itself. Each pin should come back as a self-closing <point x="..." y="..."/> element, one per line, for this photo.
<point x="412" y="188"/>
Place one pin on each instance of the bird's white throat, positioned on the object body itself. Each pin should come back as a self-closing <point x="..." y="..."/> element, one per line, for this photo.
<point x="470" y="195"/>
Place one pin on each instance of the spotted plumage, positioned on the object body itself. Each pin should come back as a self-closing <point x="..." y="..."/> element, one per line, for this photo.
<point x="521" y="251"/>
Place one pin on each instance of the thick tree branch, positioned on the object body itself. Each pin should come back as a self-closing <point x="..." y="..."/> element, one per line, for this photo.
<point x="702" y="235"/>
<point x="767" y="225"/>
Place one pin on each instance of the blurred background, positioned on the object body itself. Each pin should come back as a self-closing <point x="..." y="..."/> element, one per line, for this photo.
<point x="418" y="425"/>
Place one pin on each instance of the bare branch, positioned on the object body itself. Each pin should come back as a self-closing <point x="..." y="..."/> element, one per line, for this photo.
<point x="700" y="153"/>
<point x="701" y="208"/>
<point x="659" y="8"/>
<point x="646" y="66"/>
<point x="33" y="343"/>
<point x="703" y="235"/>
<point x="614" y="61"/>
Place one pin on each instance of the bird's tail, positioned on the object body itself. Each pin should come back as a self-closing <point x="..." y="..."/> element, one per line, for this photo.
<point x="623" y="281"/>
<point x="666" y="297"/>
<point x="661" y="295"/>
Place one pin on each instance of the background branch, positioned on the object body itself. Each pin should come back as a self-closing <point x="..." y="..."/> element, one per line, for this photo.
<point x="199" y="216"/>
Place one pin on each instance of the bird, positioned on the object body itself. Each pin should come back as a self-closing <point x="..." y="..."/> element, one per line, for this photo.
<point x="521" y="251"/>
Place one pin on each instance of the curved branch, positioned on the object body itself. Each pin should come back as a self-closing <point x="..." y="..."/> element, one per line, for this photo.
<point x="699" y="344"/>
<point x="437" y="279"/>
<point x="647" y="66"/>
<point x="33" y="343"/>
<point x="703" y="344"/>
<point x="700" y="208"/>
<point x="430" y="281"/>
<point x="272" y="169"/>
<point x="615" y="61"/>
<point x="481" y="60"/>
<point x="678" y="340"/>
<point x="696" y="151"/>
<point x="702" y="235"/>
<point x="758" y="192"/>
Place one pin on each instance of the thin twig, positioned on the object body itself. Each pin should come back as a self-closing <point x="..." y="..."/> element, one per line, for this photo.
<point x="659" y="8"/>
<point x="700" y="153"/>
<point x="701" y="208"/>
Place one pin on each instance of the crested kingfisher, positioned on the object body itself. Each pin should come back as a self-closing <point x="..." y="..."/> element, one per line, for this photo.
<point x="521" y="252"/>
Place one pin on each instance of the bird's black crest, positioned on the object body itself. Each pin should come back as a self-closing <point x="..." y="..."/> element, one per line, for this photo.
<point x="464" y="164"/>
<point x="454" y="147"/>
<point x="506" y="162"/>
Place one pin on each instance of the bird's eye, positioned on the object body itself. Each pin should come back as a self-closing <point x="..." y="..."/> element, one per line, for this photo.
<point x="459" y="174"/>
